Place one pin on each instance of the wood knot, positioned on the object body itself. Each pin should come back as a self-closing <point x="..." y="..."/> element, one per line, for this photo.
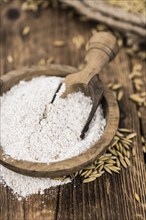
<point x="13" y="14"/>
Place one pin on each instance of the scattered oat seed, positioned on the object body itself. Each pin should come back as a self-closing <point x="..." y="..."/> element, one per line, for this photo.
<point x="26" y="31"/>
<point x="50" y="60"/>
<point x="133" y="151"/>
<point x="136" y="98"/>
<point x="120" y="95"/>
<point x="130" y="136"/>
<point x="78" y="41"/>
<point x="124" y="130"/>
<point x="59" y="43"/>
<point x="127" y="161"/>
<point x="90" y="179"/>
<point x="137" y="197"/>
<point x="42" y="61"/>
<point x="10" y="59"/>
<point x="123" y="162"/>
<point x="116" y="86"/>
<point x="107" y="169"/>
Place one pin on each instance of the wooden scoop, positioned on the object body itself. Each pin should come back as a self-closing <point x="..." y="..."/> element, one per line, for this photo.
<point x="101" y="49"/>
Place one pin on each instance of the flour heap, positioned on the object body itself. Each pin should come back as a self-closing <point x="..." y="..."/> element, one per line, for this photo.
<point x="34" y="129"/>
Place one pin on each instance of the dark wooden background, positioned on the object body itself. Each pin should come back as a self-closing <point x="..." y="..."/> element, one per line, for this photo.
<point x="110" y="197"/>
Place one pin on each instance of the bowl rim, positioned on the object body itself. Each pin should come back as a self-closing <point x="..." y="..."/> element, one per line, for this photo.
<point x="67" y="166"/>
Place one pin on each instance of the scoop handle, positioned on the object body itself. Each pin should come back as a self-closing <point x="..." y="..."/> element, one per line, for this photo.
<point x="101" y="49"/>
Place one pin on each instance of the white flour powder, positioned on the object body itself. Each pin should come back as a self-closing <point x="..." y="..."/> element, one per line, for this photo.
<point x="33" y="129"/>
<point x="23" y="186"/>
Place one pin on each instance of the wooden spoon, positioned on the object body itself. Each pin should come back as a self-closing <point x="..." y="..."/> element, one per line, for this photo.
<point x="101" y="49"/>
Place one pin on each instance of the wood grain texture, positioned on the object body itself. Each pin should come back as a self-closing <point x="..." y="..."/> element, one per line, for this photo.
<point x="110" y="197"/>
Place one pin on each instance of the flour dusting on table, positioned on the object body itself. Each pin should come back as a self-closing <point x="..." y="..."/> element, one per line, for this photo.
<point x="24" y="186"/>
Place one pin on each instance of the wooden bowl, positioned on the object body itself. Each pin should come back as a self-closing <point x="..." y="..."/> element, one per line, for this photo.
<point x="68" y="166"/>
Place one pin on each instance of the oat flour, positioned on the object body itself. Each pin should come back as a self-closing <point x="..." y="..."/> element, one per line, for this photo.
<point x="33" y="129"/>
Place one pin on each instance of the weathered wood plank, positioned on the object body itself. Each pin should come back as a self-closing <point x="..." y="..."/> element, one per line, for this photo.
<point x="109" y="197"/>
<point x="143" y="109"/>
<point x="133" y="180"/>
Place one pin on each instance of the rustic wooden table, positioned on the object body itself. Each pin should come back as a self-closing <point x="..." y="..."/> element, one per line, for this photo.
<point x="110" y="197"/>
